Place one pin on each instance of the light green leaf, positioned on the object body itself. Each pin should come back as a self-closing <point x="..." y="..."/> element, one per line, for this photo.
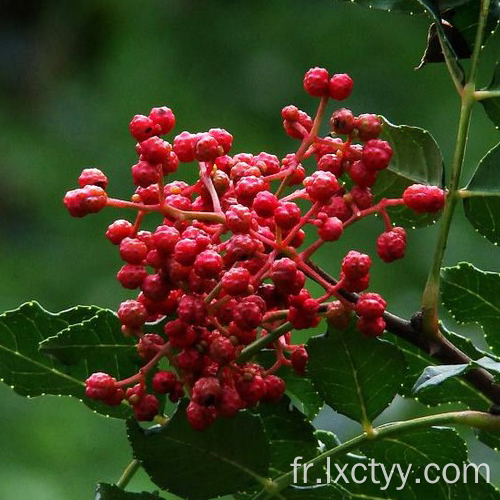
<point x="112" y="492"/>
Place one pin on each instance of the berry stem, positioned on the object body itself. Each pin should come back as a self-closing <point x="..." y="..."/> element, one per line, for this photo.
<point x="250" y="350"/>
<point x="306" y="142"/>
<point x="128" y="474"/>
<point x="207" y="181"/>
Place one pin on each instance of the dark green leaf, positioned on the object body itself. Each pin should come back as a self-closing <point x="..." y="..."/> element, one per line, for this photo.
<point x="112" y="492"/>
<point x="95" y="345"/>
<point x="231" y="455"/>
<point x="490" y="439"/>
<point x="28" y="371"/>
<point x="419" y="448"/>
<point x="356" y="375"/>
<point x="492" y="106"/>
<point x="416" y="159"/>
<point x="290" y="435"/>
<point x="482" y="207"/>
<point x="327" y="440"/>
<point x="322" y="492"/>
<point x="299" y="388"/>
<point x="472" y="295"/>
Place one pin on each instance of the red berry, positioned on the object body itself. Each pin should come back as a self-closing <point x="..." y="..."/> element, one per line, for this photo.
<point x="331" y="229"/>
<point x="132" y="313"/>
<point x="268" y="164"/>
<point x="221" y="350"/>
<point x="283" y="272"/>
<point x="207" y="148"/>
<point x="144" y="174"/>
<point x="149" y="345"/>
<point x="206" y="391"/>
<point x="337" y="207"/>
<point x="247" y="314"/>
<point x="192" y="310"/>
<point x="391" y="245"/>
<point x="376" y="154"/>
<point x="247" y="189"/>
<point x="100" y="386"/>
<point x="362" y="197"/>
<point x="342" y="121"/>
<point x="361" y="175"/>
<point x="184" y="146"/>
<point x="154" y="287"/>
<point x="321" y="186"/>
<point x="340" y="86"/>
<point x="265" y="203"/>
<point x="86" y="200"/>
<point x="287" y="215"/>
<point x="356" y="265"/>
<point x="299" y="359"/>
<point x="186" y="251"/>
<point x="252" y="391"/>
<point x="239" y="219"/>
<point x="370" y="305"/>
<point x="142" y="127"/>
<point x="163" y="118"/>
<point x="371" y="327"/>
<point x="369" y="126"/>
<point x="133" y="250"/>
<point x="94" y="177"/>
<point x="165" y="238"/>
<point x="355" y="284"/>
<point x="147" y="408"/>
<point x="164" y="381"/>
<point x="119" y="230"/>
<point x="338" y="316"/>
<point x="230" y="403"/>
<point x="208" y="264"/>
<point x="316" y="82"/>
<point x="154" y="150"/>
<point x="170" y="163"/>
<point x="199" y="417"/>
<point x="131" y="276"/>
<point x="275" y="388"/>
<point x="331" y="163"/>
<point x="223" y="137"/>
<point x="236" y="281"/>
<point x="422" y="198"/>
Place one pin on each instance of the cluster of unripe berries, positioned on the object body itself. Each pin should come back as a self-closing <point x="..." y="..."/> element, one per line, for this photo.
<point x="226" y="268"/>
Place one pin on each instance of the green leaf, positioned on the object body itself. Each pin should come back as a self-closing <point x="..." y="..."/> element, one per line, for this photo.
<point x="96" y="344"/>
<point x="419" y="448"/>
<point x="416" y="159"/>
<point x="299" y="388"/>
<point x="356" y="375"/>
<point x="490" y="439"/>
<point x="492" y="105"/>
<point x="31" y="373"/>
<point x="231" y="455"/>
<point x="112" y="492"/>
<point x="473" y="296"/>
<point x="482" y="207"/>
<point x="290" y="435"/>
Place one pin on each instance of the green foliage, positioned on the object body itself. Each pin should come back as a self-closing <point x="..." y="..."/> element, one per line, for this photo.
<point x="473" y="296"/>
<point x="416" y="159"/>
<point x="492" y="106"/>
<point x="357" y="376"/>
<point x="201" y="465"/>
<point x="482" y="208"/>
<point x="32" y="373"/>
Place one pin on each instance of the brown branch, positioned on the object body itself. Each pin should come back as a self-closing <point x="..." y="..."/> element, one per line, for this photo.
<point x="439" y="348"/>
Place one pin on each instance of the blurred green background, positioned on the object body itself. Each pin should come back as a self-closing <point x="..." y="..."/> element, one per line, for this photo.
<point x="72" y="74"/>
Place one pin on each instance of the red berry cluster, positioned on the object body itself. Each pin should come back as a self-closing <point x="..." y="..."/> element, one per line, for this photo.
<point x="225" y="267"/>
